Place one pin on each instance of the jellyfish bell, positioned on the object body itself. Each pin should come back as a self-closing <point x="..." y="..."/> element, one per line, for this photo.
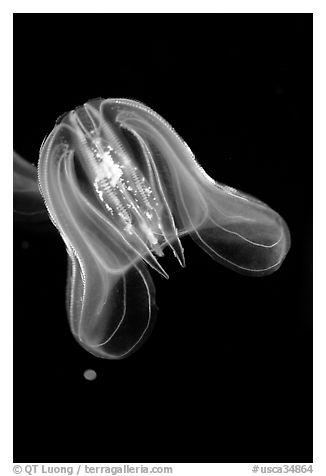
<point x="121" y="185"/>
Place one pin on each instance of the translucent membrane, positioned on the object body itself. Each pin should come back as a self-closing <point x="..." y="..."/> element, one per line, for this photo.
<point x="28" y="202"/>
<point x="121" y="185"/>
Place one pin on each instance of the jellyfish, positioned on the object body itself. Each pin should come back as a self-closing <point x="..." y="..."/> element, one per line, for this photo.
<point x="121" y="187"/>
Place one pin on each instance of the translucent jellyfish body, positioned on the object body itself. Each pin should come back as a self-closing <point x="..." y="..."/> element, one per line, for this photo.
<point x="121" y="185"/>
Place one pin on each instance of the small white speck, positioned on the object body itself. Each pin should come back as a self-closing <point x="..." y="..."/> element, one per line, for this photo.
<point x="90" y="374"/>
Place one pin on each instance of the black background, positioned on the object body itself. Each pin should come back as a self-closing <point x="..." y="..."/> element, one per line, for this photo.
<point x="226" y="375"/>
